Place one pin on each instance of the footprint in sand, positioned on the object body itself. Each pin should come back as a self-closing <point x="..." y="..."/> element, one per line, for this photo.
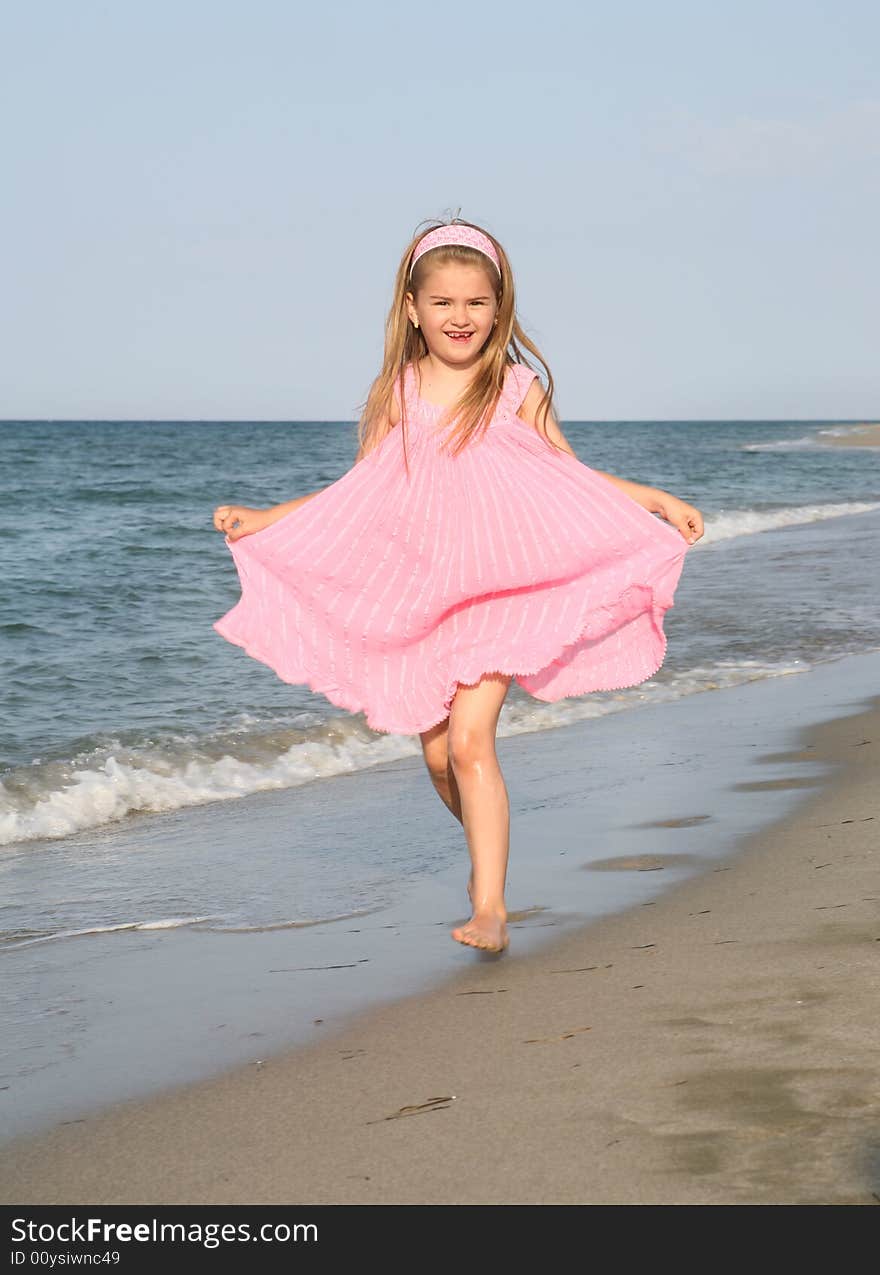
<point x="641" y="862"/>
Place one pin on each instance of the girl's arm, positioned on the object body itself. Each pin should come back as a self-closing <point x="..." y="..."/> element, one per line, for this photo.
<point x="687" y="519"/>
<point x="684" y="517"/>
<point x="278" y="511"/>
<point x="388" y="421"/>
<point x="236" y="521"/>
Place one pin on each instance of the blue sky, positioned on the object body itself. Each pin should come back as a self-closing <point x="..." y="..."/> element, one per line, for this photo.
<point x="205" y="202"/>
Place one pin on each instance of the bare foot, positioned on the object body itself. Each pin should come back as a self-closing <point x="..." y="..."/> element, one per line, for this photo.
<point x="486" y="930"/>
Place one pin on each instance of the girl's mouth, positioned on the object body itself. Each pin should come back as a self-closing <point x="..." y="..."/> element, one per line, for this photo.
<point x="463" y="337"/>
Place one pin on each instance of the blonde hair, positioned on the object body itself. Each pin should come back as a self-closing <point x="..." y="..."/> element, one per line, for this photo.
<point x="405" y="345"/>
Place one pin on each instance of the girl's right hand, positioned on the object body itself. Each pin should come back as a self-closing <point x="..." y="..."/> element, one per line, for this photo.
<point x="236" y="521"/>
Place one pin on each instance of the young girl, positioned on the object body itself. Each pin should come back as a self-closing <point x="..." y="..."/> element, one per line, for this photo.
<point x="466" y="546"/>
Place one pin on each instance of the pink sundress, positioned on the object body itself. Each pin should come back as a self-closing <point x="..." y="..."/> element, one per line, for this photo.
<point x="384" y="592"/>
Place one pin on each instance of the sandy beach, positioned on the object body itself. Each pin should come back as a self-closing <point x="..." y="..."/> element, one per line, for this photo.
<point x="716" y="1044"/>
<point x="860" y="436"/>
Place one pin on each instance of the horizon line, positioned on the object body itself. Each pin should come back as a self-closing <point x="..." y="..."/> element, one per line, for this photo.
<point x="307" y="420"/>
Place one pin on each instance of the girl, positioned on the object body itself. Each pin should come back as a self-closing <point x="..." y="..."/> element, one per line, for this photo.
<point x="466" y="546"/>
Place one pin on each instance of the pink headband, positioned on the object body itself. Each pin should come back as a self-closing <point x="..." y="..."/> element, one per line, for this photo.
<point x="455" y="234"/>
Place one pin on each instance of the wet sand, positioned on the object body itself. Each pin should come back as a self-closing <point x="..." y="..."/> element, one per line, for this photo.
<point x="716" y="1044"/>
<point x="861" y="436"/>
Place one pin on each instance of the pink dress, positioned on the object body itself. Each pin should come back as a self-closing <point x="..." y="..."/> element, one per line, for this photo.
<point x="384" y="592"/>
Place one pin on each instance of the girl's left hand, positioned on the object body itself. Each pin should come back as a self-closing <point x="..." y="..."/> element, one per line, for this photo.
<point x="236" y="521"/>
<point x="687" y="519"/>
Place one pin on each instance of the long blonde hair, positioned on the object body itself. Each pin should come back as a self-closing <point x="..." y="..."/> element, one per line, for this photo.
<point x="405" y="344"/>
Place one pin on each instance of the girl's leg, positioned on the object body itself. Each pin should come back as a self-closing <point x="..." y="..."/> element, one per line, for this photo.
<point x="435" y="748"/>
<point x="485" y="810"/>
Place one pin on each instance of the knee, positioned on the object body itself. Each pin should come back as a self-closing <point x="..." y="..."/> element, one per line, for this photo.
<point x="467" y="749"/>
<point x="439" y="774"/>
<point x="437" y="762"/>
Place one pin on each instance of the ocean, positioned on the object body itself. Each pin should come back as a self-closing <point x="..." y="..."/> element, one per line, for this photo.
<point x="119" y="701"/>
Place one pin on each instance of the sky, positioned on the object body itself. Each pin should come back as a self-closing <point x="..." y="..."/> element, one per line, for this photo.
<point x="205" y="202"/>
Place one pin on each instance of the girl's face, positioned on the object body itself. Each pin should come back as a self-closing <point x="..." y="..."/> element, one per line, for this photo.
<point x="453" y="300"/>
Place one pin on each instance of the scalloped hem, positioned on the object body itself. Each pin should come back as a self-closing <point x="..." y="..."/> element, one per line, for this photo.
<point x="472" y="675"/>
<point x="658" y="611"/>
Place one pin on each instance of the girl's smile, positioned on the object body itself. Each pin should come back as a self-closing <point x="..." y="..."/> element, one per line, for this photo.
<point x="455" y="309"/>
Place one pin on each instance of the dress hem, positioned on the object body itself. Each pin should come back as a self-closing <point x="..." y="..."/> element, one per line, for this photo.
<point x="468" y="677"/>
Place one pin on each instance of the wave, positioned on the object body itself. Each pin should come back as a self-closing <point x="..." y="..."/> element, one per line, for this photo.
<point x="25" y="939"/>
<point x="818" y="439"/>
<point x="112" y="778"/>
<point x="213" y="924"/>
<point x="785" y="444"/>
<point x="105" y="783"/>
<point x="51" y="800"/>
<point x="749" y="522"/>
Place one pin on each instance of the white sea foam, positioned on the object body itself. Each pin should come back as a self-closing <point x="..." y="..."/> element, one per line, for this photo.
<point x="46" y="804"/>
<point x="841" y="431"/>
<point x="749" y="522"/>
<point x="818" y="439"/>
<point x="785" y="444"/>
<point x="852" y="431"/>
<point x="213" y="924"/>
<point x="168" y="923"/>
<point x="52" y="801"/>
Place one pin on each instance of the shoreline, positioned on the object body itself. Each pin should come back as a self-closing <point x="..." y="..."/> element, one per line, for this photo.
<point x="642" y="799"/>
<point x="712" y="1044"/>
